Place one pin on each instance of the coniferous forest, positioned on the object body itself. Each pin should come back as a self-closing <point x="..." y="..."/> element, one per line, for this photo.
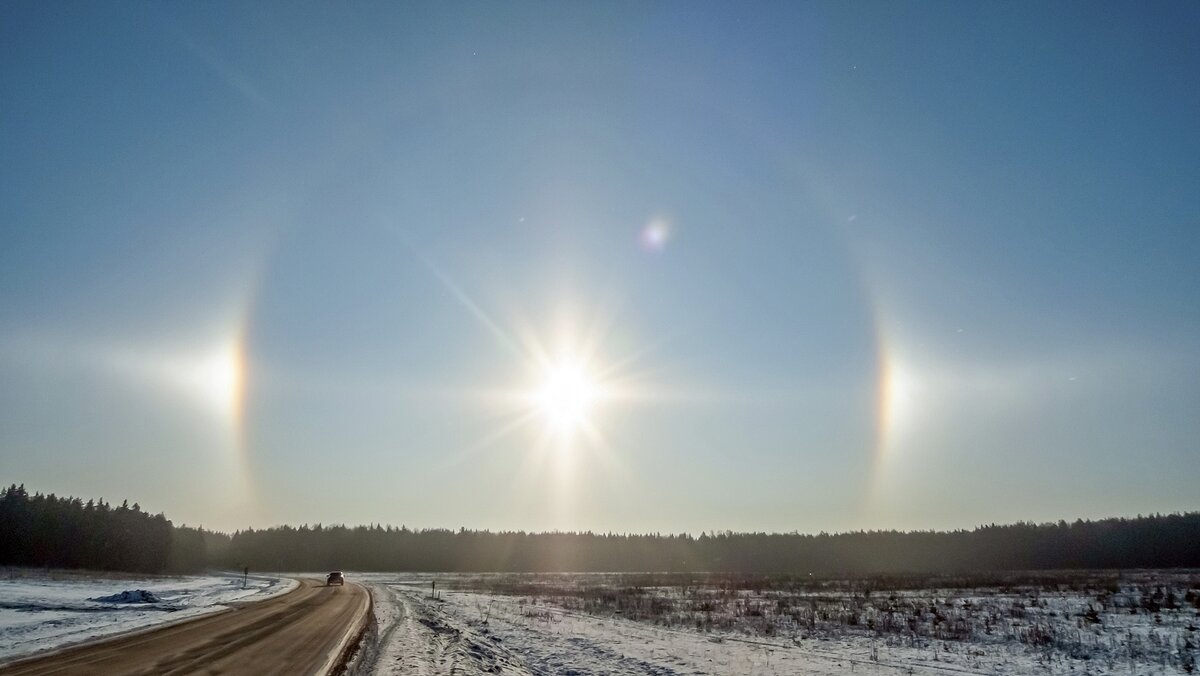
<point x="61" y="532"/>
<point x="67" y="532"/>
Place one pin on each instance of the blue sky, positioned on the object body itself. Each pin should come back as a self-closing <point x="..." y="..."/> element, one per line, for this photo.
<point x="923" y="265"/>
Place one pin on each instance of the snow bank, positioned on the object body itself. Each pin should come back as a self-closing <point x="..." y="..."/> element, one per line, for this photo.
<point x="134" y="596"/>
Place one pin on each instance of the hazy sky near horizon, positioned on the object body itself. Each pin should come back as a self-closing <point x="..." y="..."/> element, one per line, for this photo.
<point x="818" y="266"/>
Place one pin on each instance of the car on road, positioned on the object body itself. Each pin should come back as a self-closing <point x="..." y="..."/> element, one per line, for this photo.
<point x="335" y="577"/>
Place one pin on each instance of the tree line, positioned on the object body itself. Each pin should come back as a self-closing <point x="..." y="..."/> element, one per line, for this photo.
<point x="45" y="530"/>
<point x="1158" y="541"/>
<point x="65" y="532"/>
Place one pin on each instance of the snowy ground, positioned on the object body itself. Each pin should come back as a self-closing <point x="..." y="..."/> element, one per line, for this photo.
<point x="470" y="629"/>
<point x="42" y="611"/>
<point x="1140" y="623"/>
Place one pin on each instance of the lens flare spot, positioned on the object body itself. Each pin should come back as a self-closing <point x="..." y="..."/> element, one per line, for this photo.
<point x="655" y="235"/>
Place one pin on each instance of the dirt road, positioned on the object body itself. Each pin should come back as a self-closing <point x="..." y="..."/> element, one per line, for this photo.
<point x="296" y="633"/>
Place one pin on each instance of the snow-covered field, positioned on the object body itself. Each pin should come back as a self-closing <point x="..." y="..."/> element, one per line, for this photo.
<point x="1149" y="623"/>
<point x="42" y="611"/>
<point x="1106" y="623"/>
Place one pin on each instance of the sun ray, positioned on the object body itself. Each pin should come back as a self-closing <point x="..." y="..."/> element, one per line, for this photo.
<point x="603" y="449"/>
<point x="563" y="400"/>
<point x="467" y="302"/>
<point x="620" y="365"/>
<point x="505" y="430"/>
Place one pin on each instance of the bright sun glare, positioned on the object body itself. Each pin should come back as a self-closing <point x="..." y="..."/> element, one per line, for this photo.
<point x="567" y="395"/>
<point x="218" y="378"/>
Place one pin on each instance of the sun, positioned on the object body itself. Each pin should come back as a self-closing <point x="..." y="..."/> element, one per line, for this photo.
<point x="567" y="395"/>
